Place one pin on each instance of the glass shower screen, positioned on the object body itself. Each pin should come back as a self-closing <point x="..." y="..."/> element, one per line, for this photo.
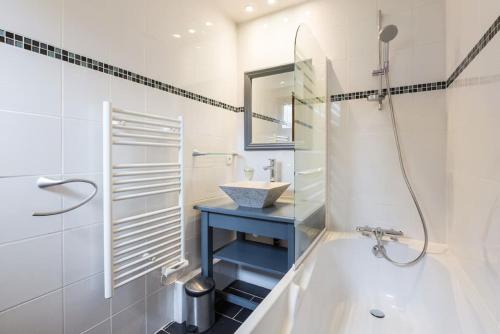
<point x="309" y="133"/>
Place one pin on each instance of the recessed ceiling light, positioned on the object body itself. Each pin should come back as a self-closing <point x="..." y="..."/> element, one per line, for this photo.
<point x="176" y="36"/>
<point x="285" y="19"/>
<point x="249" y="8"/>
<point x="191" y="31"/>
<point x="271" y="2"/>
<point x="209" y="24"/>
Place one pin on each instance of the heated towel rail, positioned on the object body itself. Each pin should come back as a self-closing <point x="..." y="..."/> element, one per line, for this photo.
<point x="139" y="177"/>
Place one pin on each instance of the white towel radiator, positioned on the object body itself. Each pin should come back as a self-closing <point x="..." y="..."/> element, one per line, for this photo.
<point x="137" y="148"/>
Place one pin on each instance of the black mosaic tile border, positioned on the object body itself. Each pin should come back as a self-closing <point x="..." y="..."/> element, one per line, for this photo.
<point x="485" y="39"/>
<point x="303" y="124"/>
<point x="29" y="44"/>
<point x="269" y="119"/>
<point x="426" y="87"/>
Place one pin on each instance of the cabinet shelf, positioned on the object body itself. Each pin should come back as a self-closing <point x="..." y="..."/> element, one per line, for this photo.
<point x="256" y="255"/>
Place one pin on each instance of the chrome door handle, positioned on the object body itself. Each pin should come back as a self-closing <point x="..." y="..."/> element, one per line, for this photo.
<point x="45" y="182"/>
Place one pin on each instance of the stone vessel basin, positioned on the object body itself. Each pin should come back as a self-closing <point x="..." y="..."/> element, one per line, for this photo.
<point x="254" y="194"/>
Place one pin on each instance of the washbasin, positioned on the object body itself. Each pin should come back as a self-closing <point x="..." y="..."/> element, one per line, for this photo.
<point x="254" y="194"/>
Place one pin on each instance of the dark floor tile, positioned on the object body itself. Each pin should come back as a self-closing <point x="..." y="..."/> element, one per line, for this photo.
<point x="238" y="293"/>
<point x="176" y="328"/>
<point x="257" y="300"/>
<point x="243" y="314"/>
<point x="250" y="288"/>
<point x="227" y="308"/>
<point x="223" y="325"/>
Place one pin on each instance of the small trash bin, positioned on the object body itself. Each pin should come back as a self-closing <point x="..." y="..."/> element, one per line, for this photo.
<point x="200" y="296"/>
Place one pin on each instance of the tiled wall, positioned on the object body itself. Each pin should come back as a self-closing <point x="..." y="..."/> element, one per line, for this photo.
<point x="365" y="184"/>
<point x="473" y="147"/>
<point x="50" y="124"/>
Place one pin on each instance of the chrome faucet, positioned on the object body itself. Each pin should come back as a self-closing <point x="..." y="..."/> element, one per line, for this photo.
<point x="367" y="230"/>
<point x="379" y="234"/>
<point x="272" y="170"/>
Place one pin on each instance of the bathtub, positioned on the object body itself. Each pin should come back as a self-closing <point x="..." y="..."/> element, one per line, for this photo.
<point x="340" y="281"/>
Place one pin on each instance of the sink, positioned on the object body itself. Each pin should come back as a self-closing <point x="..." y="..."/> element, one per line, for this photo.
<point x="254" y="194"/>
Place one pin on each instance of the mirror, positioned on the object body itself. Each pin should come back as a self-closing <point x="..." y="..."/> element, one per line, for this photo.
<point x="269" y="108"/>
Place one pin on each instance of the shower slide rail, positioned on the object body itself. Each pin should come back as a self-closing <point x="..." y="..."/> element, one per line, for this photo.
<point x="150" y="239"/>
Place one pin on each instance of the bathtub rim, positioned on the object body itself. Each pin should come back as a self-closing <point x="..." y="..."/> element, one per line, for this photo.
<point x="440" y="251"/>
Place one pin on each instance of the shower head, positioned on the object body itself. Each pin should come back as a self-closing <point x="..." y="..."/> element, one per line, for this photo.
<point x="388" y="33"/>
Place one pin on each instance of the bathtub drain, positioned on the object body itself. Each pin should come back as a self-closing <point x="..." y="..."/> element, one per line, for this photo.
<point x="377" y="313"/>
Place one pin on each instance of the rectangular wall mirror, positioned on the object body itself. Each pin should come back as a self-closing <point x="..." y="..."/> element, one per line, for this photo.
<point x="269" y="108"/>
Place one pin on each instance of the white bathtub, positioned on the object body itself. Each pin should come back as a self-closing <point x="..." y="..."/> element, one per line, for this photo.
<point x="341" y="281"/>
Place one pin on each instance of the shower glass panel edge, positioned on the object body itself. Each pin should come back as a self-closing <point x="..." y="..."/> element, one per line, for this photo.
<point x="310" y="103"/>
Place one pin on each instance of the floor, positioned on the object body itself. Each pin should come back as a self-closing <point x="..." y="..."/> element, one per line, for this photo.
<point x="228" y="316"/>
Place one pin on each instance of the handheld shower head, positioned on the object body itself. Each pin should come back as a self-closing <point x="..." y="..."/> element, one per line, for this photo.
<point x="385" y="35"/>
<point x="388" y="33"/>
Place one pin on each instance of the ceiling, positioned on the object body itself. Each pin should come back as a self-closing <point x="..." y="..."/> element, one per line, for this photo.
<point x="235" y="9"/>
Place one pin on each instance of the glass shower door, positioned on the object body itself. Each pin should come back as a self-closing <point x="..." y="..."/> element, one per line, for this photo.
<point x="310" y="99"/>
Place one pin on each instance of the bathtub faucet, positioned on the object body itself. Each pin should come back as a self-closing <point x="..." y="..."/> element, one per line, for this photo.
<point x="379" y="233"/>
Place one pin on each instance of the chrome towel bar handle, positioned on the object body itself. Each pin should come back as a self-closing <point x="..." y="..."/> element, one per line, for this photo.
<point x="45" y="182"/>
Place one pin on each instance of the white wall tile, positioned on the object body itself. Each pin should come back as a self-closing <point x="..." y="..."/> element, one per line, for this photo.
<point x="429" y="63"/>
<point x="82" y="146"/>
<point x="127" y="95"/>
<point x="166" y="104"/>
<point x="84" y="91"/>
<point x="161" y="305"/>
<point x="153" y="282"/>
<point x="36" y="19"/>
<point x="20" y="198"/>
<point x="473" y="158"/>
<point x="131" y="320"/>
<point x="488" y="11"/>
<point x="42" y="315"/>
<point x="85" y="305"/>
<point x="31" y="144"/>
<point x="362" y="37"/>
<point x="82" y="253"/>
<point x="74" y="193"/>
<point x="123" y="30"/>
<point x="103" y="328"/>
<point x="128" y="294"/>
<point x="86" y="28"/>
<point x="429" y="23"/>
<point x="23" y="261"/>
<point x="195" y="67"/>
<point x="360" y="69"/>
<point x="20" y="83"/>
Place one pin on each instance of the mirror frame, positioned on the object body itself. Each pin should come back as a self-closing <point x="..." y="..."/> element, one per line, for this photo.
<point x="249" y="146"/>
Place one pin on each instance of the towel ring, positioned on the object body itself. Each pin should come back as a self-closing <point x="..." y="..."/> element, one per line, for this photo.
<point x="45" y="182"/>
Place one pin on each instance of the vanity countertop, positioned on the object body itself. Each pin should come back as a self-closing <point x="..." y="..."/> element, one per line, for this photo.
<point x="282" y="211"/>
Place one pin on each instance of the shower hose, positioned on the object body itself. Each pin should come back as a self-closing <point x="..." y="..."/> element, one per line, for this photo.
<point x="408" y="185"/>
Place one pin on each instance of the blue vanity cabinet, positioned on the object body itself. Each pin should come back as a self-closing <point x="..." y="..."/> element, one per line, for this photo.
<point x="275" y="222"/>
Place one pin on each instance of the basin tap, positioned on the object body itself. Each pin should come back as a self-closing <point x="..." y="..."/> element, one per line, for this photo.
<point x="272" y="170"/>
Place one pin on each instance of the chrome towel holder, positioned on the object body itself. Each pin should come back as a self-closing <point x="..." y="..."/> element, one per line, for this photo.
<point x="45" y="182"/>
<point x="197" y="153"/>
